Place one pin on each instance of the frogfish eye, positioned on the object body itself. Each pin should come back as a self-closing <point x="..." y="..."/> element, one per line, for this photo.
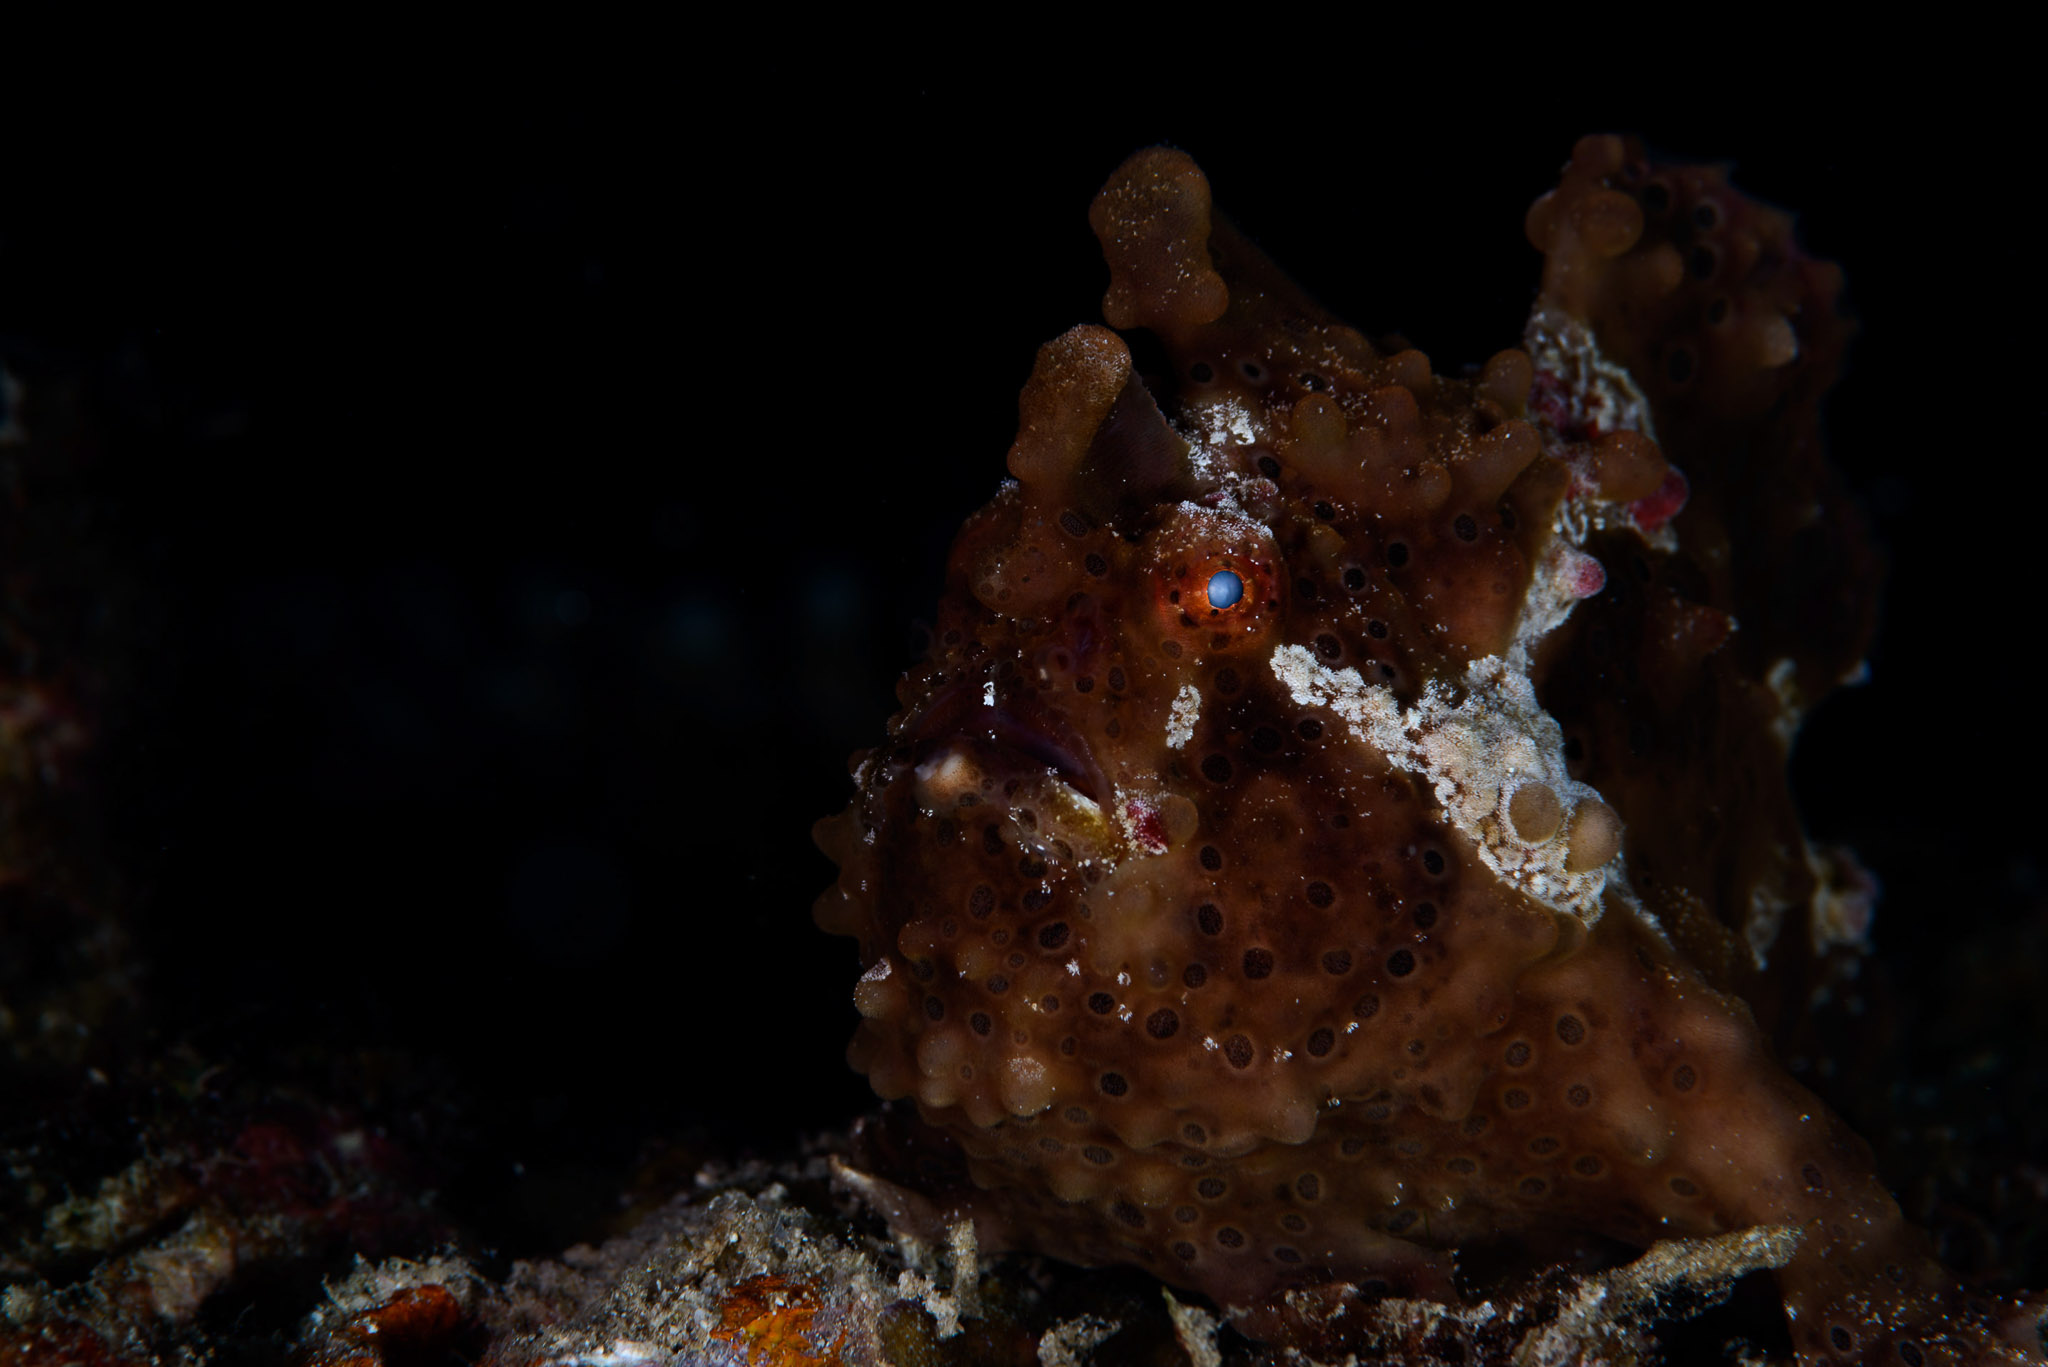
<point x="1225" y="589"/>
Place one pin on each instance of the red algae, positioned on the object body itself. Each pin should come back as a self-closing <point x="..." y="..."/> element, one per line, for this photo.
<point x="1290" y="867"/>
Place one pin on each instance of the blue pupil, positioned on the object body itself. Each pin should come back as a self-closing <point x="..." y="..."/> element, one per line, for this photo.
<point x="1225" y="589"/>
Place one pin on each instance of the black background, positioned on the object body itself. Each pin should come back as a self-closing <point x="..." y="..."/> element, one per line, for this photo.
<point x="534" y="498"/>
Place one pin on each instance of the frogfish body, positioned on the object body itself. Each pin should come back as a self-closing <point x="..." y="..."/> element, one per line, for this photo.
<point x="1342" y="819"/>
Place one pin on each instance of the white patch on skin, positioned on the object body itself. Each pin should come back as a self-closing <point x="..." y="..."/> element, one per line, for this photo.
<point x="1476" y="750"/>
<point x="1760" y="928"/>
<point x="1187" y="708"/>
<point x="1213" y="431"/>
<point x="1783" y="681"/>
<point x="1608" y="394"/>
<point x="1844" y="900"/>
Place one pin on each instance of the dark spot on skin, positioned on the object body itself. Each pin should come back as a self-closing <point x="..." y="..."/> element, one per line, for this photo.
<point x="1194" y="1133"/>
<point x="1095" y="564"/>
<point x="1425" y="914"/>
<point x="1543" y="1144"/>
<point x="1464" y="1167"/>
<point x="1815" y="1181"/>
<point x="1201" y="373"/>
<point x="1310" y="729"/>
<point x="1319" y="895"/>
<point x="1258" y="963"/>
<point x="980" y="1023"/>
<point x="1514" y="1098"/>
<point x="1376" y="629"/>
<point x="1209" y="918"/>
<point x="1571" y="1029"/>
<point x="1194" y="975"/>
<point x="1113" y="1084"/>
<point x="1053" y="936"/>
<point x="1098" y="1155"/>
<point x="1397" y="554"/>
<point x="1578" y="1094"/>
<point x="1269" y="467"/>
<point x="1841" y="1338"/>
<point x="1433" y="863"/>
<point x="934" y="1008"/>
<point x="1465" y="528"/>
<point x="1337" y="962"/>
<point x="1238" y="1050"/>
<point x="1402" y="1221"/>
<point x="1265" y="740"/>
<point x="1366" y="1007"/>
<point x="981" y="902"/>
<point x="1354" y="578"/>
<point x="1038" y="899"/>
<point x="1586" y="1165"/>
<point x="1684" y="1187"/>
<point x="1162" y="1024"/>
<point x="1517" y="1054"/>
<point x="1324" y="512"/>
<point x="1072" y="525"/>
<point x="1184" y="1250"/>
<point x="1209" y="1188"/>
<point x="1216" y="769"/>
<point x="1212" y="858"/>
<point x="1322" y="1042"/>
<point x="1129" y="1214"/>
<point x="1229" y="1237"/>
<point x="1328" y="646"/>
<point x="1309" y="1185"/>
<point x="1351" y="1144"/>
<point x="1286" y="1254"/>
<point x="1684" y="1078"/>
<point x="1101" y="1003"/>
<point x="1401" y="963"/>
<point x="1532" y="1186"/>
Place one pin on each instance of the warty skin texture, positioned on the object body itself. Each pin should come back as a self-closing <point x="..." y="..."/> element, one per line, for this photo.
<point x="1342" y="819"/>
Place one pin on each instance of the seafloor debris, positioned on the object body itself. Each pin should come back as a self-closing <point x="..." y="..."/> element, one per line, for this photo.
<point x="767" y="1266"/>
<point x="1342" y="823"/>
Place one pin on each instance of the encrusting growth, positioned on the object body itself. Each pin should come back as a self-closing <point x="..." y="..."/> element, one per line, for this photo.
<point x="1289" y="867"/>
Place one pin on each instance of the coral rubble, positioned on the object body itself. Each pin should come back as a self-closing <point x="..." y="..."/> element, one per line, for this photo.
<point x="1341" y="825"/>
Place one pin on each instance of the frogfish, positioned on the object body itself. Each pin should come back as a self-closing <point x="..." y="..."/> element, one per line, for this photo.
<point x="1341" y="822"/>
